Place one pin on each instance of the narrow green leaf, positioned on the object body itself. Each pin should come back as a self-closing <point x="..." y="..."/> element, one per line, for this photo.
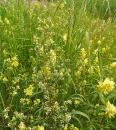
<point x="81" y="113"/>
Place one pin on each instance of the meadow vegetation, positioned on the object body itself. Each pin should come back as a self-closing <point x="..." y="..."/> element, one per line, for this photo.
<point x="58" y="65"/>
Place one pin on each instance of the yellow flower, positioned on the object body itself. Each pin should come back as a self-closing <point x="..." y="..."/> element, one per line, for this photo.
<point x="6" y="21"/>
<point x="22" y="126"/>
<point x="110" y="110"/>
<point x="77" y="102"/>
<point x="83" y="53"/>
<point x="66" y="127"/>
<point x="29" y="91"/>
<point x="72" y="127"/>
<point x="113" y="65"/>
<point x="85" y="61"/>
<point x="40" y="128"/>
<point x="106" y="86"/>
<point x="37" y="101"/>
<point x="14" y="61"/>
<point x="46" y="71"/>
<point x="75" y="128"/>
<point x="5" y="79"/>
<point x="99" y="42"/>
<point x="65" y="37"/>
<point x="53" y="57"/>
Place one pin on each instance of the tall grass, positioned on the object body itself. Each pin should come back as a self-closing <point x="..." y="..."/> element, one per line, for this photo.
<point x="57" y="65"/>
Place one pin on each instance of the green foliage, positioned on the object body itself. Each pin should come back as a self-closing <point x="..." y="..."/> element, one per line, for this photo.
<point x="57" y="65"/>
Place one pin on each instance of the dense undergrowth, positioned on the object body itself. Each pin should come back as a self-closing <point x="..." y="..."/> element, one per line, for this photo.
<point x="57" y="65"/>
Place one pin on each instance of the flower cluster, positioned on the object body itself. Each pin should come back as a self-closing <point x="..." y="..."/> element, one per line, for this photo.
<point x="110" y="110"/>
<point x="106" y="86"/>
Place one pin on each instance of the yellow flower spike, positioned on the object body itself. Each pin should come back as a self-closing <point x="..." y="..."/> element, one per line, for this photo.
<point x="14" y="61"/>
<point x="53" y="56"/>
<point x="85" y="61"/>
<point x="106" y="86"/>
<point x="29" y="91"/>
<point x="110" y="110"/>
<point x="46" y="71"/>
<point x="83" y="53"/>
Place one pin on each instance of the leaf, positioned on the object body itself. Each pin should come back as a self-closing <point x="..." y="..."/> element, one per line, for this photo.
<point x="78" y="121"/>
<point x="112" y="95"/>
<point x="102" y="98"/>
<point x="81" y="113"/>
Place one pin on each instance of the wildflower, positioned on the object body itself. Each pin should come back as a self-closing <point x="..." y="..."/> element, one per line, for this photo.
<point x="67" y="117"/>
<point x="101" y="114"/>
<point x="91" y="41"/>
<point x="14" y="61"/>
<point x="104" y="50"/>
<point x="91" y="70"/>
<point x="46" y="71"/>
<point x="53" y="57"/>
<point x="29" y="91"/>
<point x="113" y="65"/>
<point x="5" y="112"/>
<point x="99" y="42"/>
<point x="110" y="110"/>
<point x="62" y="5"/>
<point x="65" y="37"/>
<point x="85" y="61"/>
<point x="72" y="127"/>
<point x="5" y="79"/>
<point x="66" y="127"/>
<point x="22" y="126"/>
<point x="95" y="51"/>
<point x="40" y="128"/>
<point x="36" y="102"/>
<point x="6" y="21"/>
<point x="19" y="115"/>
<point x="106" y="86"/>
<point x="24" y="101"/>
<point x="77" y="102"/>
<point x="83" y="53"/>
<point x="14" y="93"/>
<point x="103" y="38"/>
<point x="96" y="60"/>
<point x="41" y="50"/>
<point x="75" y="128"/>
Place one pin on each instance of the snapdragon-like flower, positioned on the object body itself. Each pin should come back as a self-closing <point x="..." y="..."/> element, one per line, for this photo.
<point x="106" y="86"/>
<point x="110" y="110"/>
